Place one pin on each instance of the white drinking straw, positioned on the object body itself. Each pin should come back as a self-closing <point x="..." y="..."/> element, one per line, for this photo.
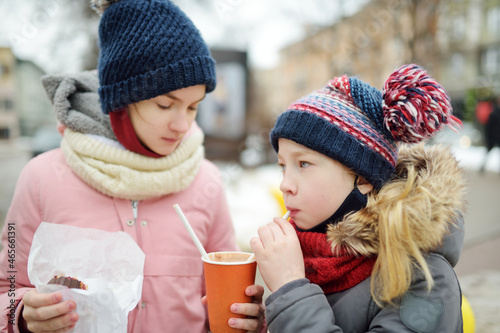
<point x="191" y="232"/>
<point x="286" y="216"/>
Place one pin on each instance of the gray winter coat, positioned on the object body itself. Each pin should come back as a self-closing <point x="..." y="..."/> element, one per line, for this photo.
<point x="301" y="306"/>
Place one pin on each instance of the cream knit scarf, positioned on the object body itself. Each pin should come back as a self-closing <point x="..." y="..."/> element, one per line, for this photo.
<point x="123" y="174"/>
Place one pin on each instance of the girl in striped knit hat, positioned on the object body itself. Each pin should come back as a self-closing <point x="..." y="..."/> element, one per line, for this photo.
<point x="376" y="224"/>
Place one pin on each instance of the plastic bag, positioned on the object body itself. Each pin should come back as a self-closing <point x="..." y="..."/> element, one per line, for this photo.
<point x="111" y="264"/>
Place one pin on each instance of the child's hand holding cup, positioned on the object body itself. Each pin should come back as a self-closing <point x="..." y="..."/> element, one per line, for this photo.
<point x="227" y="275"/>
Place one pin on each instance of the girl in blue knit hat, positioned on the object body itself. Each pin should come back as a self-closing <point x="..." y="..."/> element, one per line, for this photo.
<point x="131" y="149"/>
<point x="375" y="222"/>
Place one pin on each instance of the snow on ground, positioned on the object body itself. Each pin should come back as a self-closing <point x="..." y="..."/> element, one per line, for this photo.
<point x="250" y="197"/>
<point x="472" y="158"/>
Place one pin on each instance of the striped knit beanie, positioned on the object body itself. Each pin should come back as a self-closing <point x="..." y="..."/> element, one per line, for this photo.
<point x="359" y="126"/>
<point x="148" y="48"/>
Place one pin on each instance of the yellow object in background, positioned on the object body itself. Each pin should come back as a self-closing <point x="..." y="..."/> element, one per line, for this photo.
<point x="278" y="196"/>
<point x="468" y="316"/>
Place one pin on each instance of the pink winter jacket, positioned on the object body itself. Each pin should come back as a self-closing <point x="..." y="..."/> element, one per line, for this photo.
<point x="49" y="191"/>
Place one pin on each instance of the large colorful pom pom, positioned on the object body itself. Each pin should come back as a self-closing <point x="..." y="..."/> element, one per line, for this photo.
<point x="415" y="105"/>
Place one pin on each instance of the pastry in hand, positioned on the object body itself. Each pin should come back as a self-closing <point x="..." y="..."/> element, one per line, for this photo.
<point x="68" y="282"/>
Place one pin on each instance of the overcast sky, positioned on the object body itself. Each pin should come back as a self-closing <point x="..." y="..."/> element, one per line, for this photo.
<point x="52" y="34"/>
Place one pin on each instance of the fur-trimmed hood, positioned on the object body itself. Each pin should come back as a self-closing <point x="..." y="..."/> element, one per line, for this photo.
<point x="429" y="208"/>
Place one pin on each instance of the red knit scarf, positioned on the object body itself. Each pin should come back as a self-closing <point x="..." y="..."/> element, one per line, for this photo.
<point x="125" y="133"/>
<point x="331" y="272"/>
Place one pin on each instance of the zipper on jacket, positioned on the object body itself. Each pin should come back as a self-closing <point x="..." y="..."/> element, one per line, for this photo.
<point x="135" y="205"/>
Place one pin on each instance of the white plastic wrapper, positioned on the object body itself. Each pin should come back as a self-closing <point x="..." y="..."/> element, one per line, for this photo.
<point x="111" y="264"/>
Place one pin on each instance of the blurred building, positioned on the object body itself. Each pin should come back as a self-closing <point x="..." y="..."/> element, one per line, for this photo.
<point x="24" y="106"/>
<point x="9" y="123"/>
<point x="32" y="104"/>
<point x="222" y="114"/>
<point x="458" y="42"/>
<point x="469" y="44"/>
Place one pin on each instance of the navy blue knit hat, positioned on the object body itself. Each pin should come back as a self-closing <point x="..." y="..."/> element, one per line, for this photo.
<point x="148" y="48"/>
<point x="359" y="126"/>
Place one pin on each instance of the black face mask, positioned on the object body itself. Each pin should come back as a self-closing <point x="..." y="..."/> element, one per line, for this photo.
<point x="352" y="203"/>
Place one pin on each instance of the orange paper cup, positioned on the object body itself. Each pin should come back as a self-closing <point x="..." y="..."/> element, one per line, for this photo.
<point x="227" y="275"/>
